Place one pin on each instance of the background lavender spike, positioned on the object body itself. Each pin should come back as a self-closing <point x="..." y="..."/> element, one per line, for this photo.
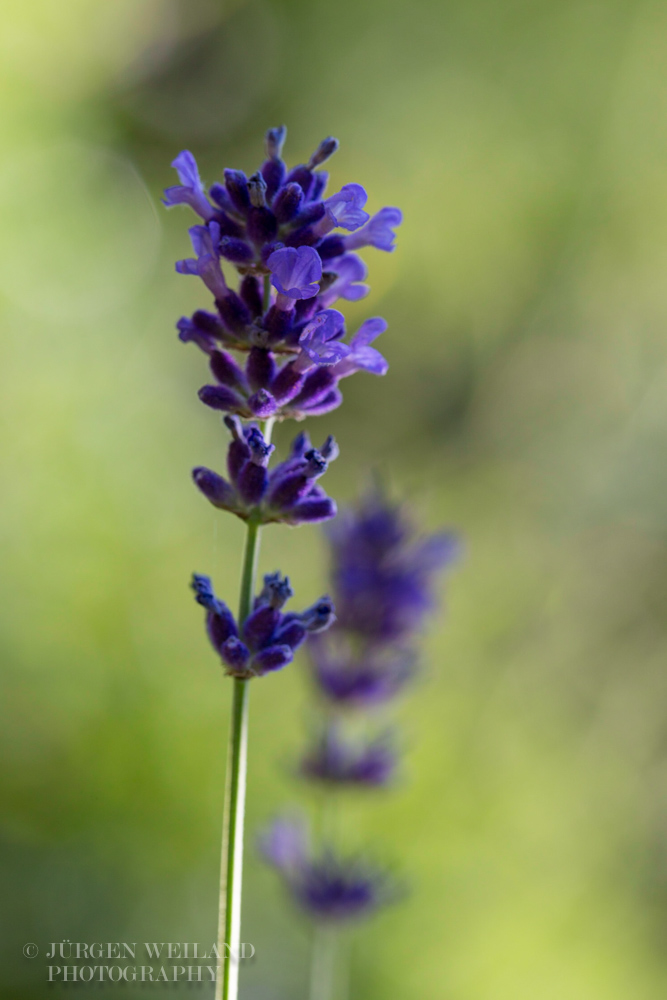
<point x="383" y="575"/>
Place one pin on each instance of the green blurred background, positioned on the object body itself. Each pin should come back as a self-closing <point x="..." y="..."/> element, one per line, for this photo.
<point x="526" y="404"/>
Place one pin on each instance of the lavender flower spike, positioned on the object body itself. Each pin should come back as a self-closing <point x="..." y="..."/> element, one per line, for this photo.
<point x="378" y="233"/>
<point x="330" y="889"/>
<point x="384" y="577"/>
<point x="266" y="641"/>
<point x="191" y="190"/>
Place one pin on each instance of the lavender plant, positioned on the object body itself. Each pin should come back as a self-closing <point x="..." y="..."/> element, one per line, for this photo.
<point x="293" y="253"/>
<point x="382" y="579"/>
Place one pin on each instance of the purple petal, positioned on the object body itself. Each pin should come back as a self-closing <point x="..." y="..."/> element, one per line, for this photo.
<point x="329" y="324"/>
<point x="362" y="356"/>
<point x="219" y="397"/>
<point x="190" y="191"/>
<point x="296" y="271"/>
<point x="291" y="633"/>
<point x="325" y="149"/>
<point x="327" y="354"/>
<point x="319" y="341"/>
<point x="319" y="616"/>
<point x="275" y="140"/>
<point x="272" y="658"/>
<point x="188" y="266"/>
<point x="235" y="654"/>
<point x="368" y="331"/>
<point x="216" y="489"/>
<point x="259" y="627"/>
<point x="202" y="239"/>
<point x="346" y="208"/>
<point x="313" y="511"/>
<point x="379" y="232"/>
<point x="260" y="368"/>
<point x="186" y="167"/>
<point x="252" y="482"/>
<point x="318" y="383"/>
<point x="350" y="271"/>
<point x="288" y="202"/>
<point x="287" y="384"/>
<point x="438" y="551"/>
<point x="226" y="370"/>
<point x="204" y="242"/>
<point x="369" y="360"/>
<point x="285" y="844"/>
<point x="262" y="404"/>
<point x="220" y="623"/>
<point x="236" y="184"/>
<point x="189" y="330"/>
<point x="325" y="404"/>
<point x="235" y="250"/>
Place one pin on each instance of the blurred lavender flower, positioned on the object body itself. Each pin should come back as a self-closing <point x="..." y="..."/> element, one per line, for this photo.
<point x="383" y="571"/>
<point x="327" y="887"/>
<point x="359" y="679"/>
<point x="338" y="760"/>
<point x="289" y="493"/>
<point x="278" y="231"/>
<point x="267" y="639"/>
<point x="383" y="574"/>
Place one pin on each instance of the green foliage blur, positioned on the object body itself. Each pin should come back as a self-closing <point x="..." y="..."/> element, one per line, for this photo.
<point x="526" y="404"/>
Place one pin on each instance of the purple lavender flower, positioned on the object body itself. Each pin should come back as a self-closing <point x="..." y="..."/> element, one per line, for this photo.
<point x="384" y="572"/>
<point x="295" y="272"/>
<point x="203" y="329"/>
<point x="359" y="678"/>
<point x="345" y="209"/>
<point x="337" y="760"/>
<point x="276" y="226"/>
<point x="327" y="887"/>
<point x="345" y="280"/>
<point x="362" y="357"/>
<point x="267" y="640"/>
<point x="190" y="191"/>
<point x="383" y="576"/>
<point x="289" y="493"/>
<point x="206" y="265"/>
<point x="320" y="341"/>
<point x="304" y="386"/>
<point x="378" y="232"/>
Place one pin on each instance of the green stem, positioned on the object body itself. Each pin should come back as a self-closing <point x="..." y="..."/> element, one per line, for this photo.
<point x="322" y="971"/>
<point x="325" y="943"/>
<point x="267" y="291"/>
<point x="231" y="869"/>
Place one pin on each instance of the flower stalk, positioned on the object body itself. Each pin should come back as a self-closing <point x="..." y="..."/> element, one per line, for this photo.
<point x="323" y="962"/>
<point x="231" y="866"/>
<point x="276" y="349"/>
